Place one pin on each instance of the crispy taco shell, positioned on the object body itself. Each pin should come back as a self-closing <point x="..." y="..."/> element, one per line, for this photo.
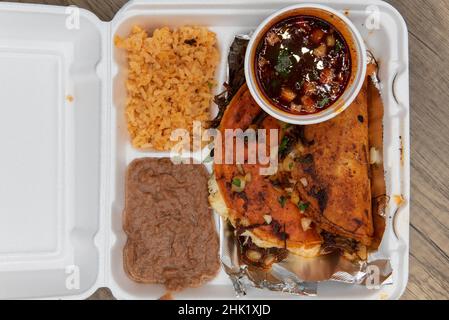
<point x="248" y="210"/>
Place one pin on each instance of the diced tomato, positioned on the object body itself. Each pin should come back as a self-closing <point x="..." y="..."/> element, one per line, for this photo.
<point x="272" y="38"/>
<point x="309" y="88"/>
<point x="321" y="51"/>
<point x="330" y="40"/>
<point x="317" y="35"/>
<point x="295" y="107"/>
<point x="308" y="104"/>
<point x="287" y="95"/>
<point x="327" y="76"/>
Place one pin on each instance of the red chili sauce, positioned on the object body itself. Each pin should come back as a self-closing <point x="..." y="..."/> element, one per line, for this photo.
<point x="303" y="65"/>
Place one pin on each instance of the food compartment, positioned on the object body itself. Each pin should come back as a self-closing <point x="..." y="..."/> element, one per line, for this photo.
<point x="227" y="20"/>
<point x="50" y="133"/>
<point x="124" y="153"/>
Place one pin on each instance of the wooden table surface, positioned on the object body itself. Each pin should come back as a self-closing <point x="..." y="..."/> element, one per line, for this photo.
<point x="428" y="25"/>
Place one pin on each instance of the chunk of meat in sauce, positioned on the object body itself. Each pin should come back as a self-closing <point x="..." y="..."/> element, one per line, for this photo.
<point x="327" y="76"/>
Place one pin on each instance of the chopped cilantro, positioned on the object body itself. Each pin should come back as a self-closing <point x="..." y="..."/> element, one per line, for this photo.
<point x="284" y="144"/>
<point x="237" y="182"/>
<point x="338" y="46"/>
<point x="324" y="102"/>
<point x="284" y="63"/>
<point x="282" y="201"/>
<point x="303" y="206"/>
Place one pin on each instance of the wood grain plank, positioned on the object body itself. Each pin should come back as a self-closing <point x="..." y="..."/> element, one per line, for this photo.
<point x="102" y="294"/>
<point x="428" y="269"/>
<point x="429" y="47"/>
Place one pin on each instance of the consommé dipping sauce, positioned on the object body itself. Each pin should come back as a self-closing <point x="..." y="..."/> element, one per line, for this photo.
<point x="303" y="64"/>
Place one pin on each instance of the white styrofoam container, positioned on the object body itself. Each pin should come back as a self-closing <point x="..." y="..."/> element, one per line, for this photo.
<point x="63" y="165"/>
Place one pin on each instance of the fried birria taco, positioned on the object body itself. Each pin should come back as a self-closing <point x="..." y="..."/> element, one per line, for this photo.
<point x="336" y="170"/>
<point x="320" y="199"/>
<point x="252" y="202"/>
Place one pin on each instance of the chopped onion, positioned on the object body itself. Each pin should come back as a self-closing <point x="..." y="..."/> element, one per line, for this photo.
<point x="374" y="156"/>
<point x="244" y="222"/>
<point x="268" y="219"/>
<point x="240" y="169"/>
<point x="305" y="223"/>
<point x="299" y="148"/>
<point x="304" y="182"/>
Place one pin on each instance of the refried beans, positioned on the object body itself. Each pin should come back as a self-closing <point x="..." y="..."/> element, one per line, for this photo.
<point x="172" y="238"/>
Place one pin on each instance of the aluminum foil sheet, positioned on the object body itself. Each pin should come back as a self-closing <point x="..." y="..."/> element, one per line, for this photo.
<point x="297" y="275"/>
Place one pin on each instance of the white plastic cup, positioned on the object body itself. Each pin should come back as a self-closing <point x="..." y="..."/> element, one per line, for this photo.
<point x="357" y="50"/>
